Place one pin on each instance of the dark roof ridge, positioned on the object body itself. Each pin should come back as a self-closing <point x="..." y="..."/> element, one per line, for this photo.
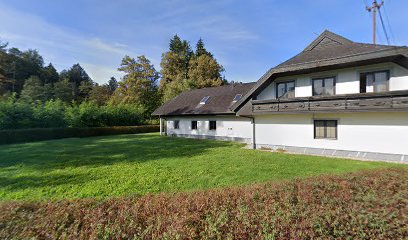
<point x="378" y="45"/>
<point x="225" y="85"/>
<point x="331" y="35"/>
<point x="341" y="57"/>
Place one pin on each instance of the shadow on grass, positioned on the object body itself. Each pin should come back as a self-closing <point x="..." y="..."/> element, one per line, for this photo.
<point x="97" y="151"/>
<point x="31" y="166"/>
<point x="50" y="180"/>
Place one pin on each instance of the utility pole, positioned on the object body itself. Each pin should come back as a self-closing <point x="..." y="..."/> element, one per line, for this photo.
<point x="374" y="9"/>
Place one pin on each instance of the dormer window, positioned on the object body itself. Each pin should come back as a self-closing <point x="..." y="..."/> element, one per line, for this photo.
<point x="237" y="98"/>
<point x="285" y="90"/>
<point x="204" y="100"/>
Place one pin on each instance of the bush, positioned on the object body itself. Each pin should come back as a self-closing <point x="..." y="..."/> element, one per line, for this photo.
<point x="123" y="115"/>
<point x="15" y="114"/>
<point x="86" y="114"/>
<point x="38" y="134"/>
<point x="51" y="114"/>
<point x="365" y="205"/>
<point x="55" y="114"/>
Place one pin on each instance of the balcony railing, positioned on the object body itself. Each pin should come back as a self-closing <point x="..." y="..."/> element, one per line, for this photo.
<point x="393" y="101"/>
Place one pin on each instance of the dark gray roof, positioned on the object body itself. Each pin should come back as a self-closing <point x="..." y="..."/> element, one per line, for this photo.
<point x="330" y="45"/>
<point x="188" y="103"/>
<point x="327" y="51"/>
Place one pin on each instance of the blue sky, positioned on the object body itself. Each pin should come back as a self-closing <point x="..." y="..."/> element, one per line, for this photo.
<point x="246" y="37"/>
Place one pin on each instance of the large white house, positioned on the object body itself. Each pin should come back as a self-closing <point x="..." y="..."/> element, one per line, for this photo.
<point x="336" y="98"/>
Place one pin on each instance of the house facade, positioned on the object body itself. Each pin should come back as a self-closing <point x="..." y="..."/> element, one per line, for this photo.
<point x="336" y="98"/>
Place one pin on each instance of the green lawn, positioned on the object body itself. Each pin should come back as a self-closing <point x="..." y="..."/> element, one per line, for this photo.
<point x="147" y="163"/>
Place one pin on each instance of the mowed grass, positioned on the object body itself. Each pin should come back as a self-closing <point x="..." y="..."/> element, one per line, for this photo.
<point x="123" y="165"/>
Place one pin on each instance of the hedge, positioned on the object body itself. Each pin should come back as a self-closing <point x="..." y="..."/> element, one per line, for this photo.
<point x="39" y="134"/>
<point x="364" y="205"/>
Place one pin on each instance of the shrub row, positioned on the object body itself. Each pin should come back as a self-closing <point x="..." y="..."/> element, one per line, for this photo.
<point x="38" y="134"/>
<point x="55" y="113"/>
<point x="365" y="205"/>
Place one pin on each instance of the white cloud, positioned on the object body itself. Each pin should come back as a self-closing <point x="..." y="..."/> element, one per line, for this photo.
<point x="61" y="46"/>
<point x="100" y="55"/>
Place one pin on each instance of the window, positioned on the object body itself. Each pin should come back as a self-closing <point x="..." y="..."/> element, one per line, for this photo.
<point x="193" y="125"/>
<point x="325" y="129"/>
<point x="213" y="125"/>
<point x="285" y="90"/>
<point x="374" y="81"/>
<point x="204" y="100"/>
<point x="324" y="86"/>
<point x="176" y="124"/>
<point x="237" y="97"/>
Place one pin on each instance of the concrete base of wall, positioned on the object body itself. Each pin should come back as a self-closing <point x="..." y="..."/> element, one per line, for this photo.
<point x="360" y="155"/>
<point x="373" y="156"/>
<point x="222" y="138"/>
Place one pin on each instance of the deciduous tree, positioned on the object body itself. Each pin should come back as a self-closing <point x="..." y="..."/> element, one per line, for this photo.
<point x="63" y="90"/>
<point x="204" y="71"/>
<point x="139" y="84"/>
<point x="33" y="90"/>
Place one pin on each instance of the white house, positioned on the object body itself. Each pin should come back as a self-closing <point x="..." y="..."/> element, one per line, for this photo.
<point x="205" y="113"/>
<point x="337" y="98"/>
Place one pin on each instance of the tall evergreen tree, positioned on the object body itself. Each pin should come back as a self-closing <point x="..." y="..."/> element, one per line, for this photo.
<point x="112" y="84"/>
<point x="76" y="75"/>
<point x="176" y="45"/>
<point x="183" y="70"/>
<point x="3" y="46"/>
<point x="200" y="49"/>
<point x="50" y="74"/>
<point x="174" y="66"/>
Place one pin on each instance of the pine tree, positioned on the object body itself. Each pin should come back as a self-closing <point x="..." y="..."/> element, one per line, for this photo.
<point x="76" y="75"/>
<point x="50" y="74"/>
<point x="176" y="45"/>
<point x="200" y="49"/>
<point x="112" y="84"/>
<point x="175" y="64"/>
<point x="3" y="46"/>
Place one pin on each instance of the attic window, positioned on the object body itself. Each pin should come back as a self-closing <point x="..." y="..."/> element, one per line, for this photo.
<point x="204" y="100"/>
<point x="237" y="97"/>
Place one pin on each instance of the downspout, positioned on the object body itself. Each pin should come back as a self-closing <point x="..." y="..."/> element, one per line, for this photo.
<point x="162" y="128"/>
<point x="161" y="125"/>
<point x="253" y="133"/>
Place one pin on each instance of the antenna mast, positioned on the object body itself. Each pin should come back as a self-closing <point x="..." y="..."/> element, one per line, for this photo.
<point x="374" y="9"/>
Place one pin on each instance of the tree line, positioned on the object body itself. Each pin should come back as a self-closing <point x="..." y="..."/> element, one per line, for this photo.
<point x="26" y="79"/>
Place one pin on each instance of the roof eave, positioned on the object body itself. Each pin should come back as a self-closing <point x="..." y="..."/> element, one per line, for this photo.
<point x="333" y="62"/>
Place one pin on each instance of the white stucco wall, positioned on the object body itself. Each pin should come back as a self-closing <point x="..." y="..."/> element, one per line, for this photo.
<point x="347" y="80"/>
<point x="227" y="126"/>
<point x="370" y="132"/>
